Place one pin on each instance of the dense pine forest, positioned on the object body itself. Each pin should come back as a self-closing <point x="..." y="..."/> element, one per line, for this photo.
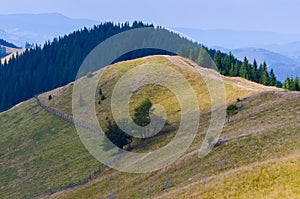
<point x="56" y="63"/>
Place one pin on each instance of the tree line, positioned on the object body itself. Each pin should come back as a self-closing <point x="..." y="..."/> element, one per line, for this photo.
<point x="56" y="63"/>
<point x="292" y="84"/>
<point x="43" y="68"/>
<point x="228" y="65"/>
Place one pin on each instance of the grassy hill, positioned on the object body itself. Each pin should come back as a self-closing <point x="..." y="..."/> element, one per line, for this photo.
<point x="259" y="161"/>
<point x="10" y="53"/>
<point x="274" y="178"/>
<point x="39" y="151"/>
<point x="7" y="50"/>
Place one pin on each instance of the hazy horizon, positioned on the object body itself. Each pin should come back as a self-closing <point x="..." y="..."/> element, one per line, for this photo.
<point x="227" y="26"/>
<point x="252" y="15"/>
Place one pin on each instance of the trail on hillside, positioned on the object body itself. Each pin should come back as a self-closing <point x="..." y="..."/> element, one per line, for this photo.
<point x="67" y="118"/>
<point x="185" y="65"/>
<point x="93" y="174"/>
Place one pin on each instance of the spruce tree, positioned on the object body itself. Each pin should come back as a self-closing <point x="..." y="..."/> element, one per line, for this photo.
<point x="254" y="72"/>
<point x="218" y="60"/>
<point x="297" y="84"/>
<point x="243" y="70"/>
<point x="264" y="78"/>
<point x="141" y="113"/>
<point x="287" y="83"/>
<point x="228" y="60"/>
<point x="204" y="59"/>
<point x="236" y="69"/>
<point x="231" y="71"/>
<point x="272" y="79"/>
<point x="190" y="50"/>
<point x="292" y="84"/>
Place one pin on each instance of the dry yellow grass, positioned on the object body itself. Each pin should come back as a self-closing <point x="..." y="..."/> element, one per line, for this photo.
<point x="270" y="120"/>
<point x="261" y="120"/>
<point x="275" y="178"/>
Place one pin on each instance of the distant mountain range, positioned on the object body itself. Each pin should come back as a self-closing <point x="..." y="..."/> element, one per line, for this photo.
<point x="38" y="28"/>
<point x="232" y="39"/>
<point x="280" y="51"/>
<point x="291" y="49"/>
<point x="281" y="64"/>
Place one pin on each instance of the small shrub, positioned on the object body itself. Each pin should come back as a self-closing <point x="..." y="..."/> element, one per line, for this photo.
<point x="103" y="97"/>
<point x="231" y="110"/>
<point x="89" y="75"/>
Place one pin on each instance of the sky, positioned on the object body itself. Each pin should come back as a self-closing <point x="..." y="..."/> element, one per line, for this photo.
<point x="280" y="16"/>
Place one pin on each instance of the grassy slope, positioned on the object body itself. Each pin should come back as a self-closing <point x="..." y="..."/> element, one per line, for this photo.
<point x="51" y="160"/>
<point x="280" y="141"/>
<point x="38" y="152"/>
<point x="63" y="96"/>
<point x="263" y="118"/>
<point x="275" y="178"/>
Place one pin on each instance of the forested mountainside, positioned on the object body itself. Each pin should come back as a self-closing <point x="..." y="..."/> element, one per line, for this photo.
<point x="56" y="63"/>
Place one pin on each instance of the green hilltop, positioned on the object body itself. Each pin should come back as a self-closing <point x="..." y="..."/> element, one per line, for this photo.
<point x="41" y="154"/>
<point x="56" y="63"/>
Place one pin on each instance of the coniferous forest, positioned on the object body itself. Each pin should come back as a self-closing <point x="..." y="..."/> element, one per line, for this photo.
<point x="54" y="64"/>
<point x="43" y="68"/>
<point x="228" y="65"/>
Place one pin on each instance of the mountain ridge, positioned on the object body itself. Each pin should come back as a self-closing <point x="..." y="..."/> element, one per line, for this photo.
<point x="35" y="135"/>
<point x="39" y="28"/>
<point x="281" y="64"/>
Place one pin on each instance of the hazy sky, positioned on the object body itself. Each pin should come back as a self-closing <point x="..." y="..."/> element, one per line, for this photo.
<point x="264" y="15"/>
